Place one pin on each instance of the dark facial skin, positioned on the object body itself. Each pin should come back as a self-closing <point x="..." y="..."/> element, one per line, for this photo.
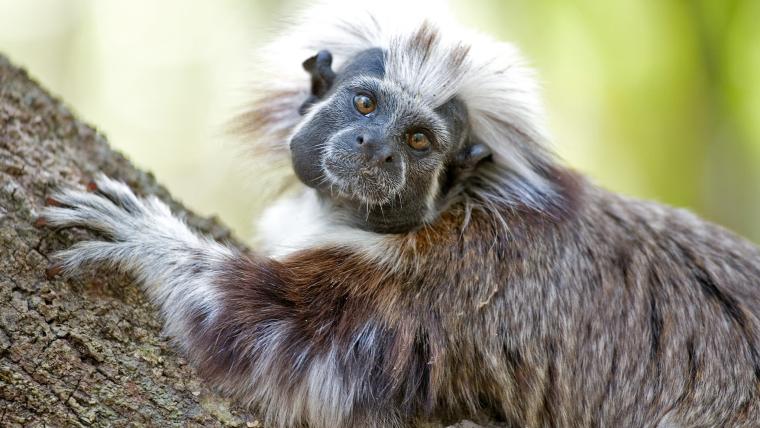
<point x="379" y="155"/>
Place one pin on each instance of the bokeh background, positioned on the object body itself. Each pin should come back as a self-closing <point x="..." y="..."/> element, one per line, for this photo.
<point x="657" y="99"/>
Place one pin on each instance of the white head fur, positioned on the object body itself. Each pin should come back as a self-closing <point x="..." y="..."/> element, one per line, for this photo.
<point x="489" y="76"/>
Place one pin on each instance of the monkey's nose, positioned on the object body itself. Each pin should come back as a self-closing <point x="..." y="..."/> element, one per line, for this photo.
<point x="375" y="151"/>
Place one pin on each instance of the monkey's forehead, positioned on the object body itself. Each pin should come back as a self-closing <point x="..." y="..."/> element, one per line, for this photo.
<point x="368" y="68"/>
<point x="369" y="62"/>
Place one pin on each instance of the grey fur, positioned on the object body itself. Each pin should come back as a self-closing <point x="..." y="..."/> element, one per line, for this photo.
<point x="529" y="295"/>
<point x="616" y="313"/>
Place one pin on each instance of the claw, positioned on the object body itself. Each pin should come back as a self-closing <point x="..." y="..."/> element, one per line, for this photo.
<point x="40" y="222"/>
<point x="53" y="271"/>
<point x="52" y="202"/>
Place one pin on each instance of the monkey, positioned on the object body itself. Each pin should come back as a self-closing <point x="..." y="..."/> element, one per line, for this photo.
<point x="438" y="261"/>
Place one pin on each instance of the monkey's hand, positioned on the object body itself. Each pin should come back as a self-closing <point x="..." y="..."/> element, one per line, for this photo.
<point x="143" y="238"/>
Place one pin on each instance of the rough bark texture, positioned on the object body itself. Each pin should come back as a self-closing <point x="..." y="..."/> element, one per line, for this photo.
<point x="86" y="351"/>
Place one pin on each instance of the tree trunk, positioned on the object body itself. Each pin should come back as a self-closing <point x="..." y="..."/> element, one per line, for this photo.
<point x="86" y="351"/>
<point x="89" y="350"/>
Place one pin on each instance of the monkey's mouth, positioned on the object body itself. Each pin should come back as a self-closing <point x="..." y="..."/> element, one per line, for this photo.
<point x="347" y="177"/>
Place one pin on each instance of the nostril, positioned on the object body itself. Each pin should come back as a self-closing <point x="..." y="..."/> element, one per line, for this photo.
<point x="360" y="140"/>
<point x="389" y="159"/>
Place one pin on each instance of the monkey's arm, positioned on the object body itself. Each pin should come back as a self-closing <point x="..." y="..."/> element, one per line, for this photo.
<point x="305" y="338"/>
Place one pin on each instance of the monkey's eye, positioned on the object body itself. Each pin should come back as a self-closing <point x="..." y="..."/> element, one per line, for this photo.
<point x="364" y="104"/>
<point x="418" y="141"/>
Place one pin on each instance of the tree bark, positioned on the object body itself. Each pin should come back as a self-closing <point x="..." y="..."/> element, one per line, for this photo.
<point x="86" y="351"/>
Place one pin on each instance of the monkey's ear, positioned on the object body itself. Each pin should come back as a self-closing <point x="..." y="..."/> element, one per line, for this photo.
<point x="471" y="155"/>
<point x="322" y="77"/>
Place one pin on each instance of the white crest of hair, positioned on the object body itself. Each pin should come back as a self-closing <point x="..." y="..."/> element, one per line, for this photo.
<point x="489" y="76"/>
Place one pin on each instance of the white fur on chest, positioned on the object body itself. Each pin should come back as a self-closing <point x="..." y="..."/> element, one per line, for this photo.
<point x="303" y="222"/>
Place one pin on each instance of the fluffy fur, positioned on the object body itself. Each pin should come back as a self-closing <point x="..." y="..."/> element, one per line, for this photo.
<point x="557" y="304"/>
<point x="433" y="58"/>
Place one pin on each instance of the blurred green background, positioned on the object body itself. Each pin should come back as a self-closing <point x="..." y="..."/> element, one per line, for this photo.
<point x="657" y="99"/>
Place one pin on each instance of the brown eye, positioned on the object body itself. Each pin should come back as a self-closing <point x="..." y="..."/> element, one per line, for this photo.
<point x="418" y="141"/>
<point x="364" y="104"/>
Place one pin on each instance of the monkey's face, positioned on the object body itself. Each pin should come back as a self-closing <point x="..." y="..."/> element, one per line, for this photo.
<point x="375" y="149"/>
